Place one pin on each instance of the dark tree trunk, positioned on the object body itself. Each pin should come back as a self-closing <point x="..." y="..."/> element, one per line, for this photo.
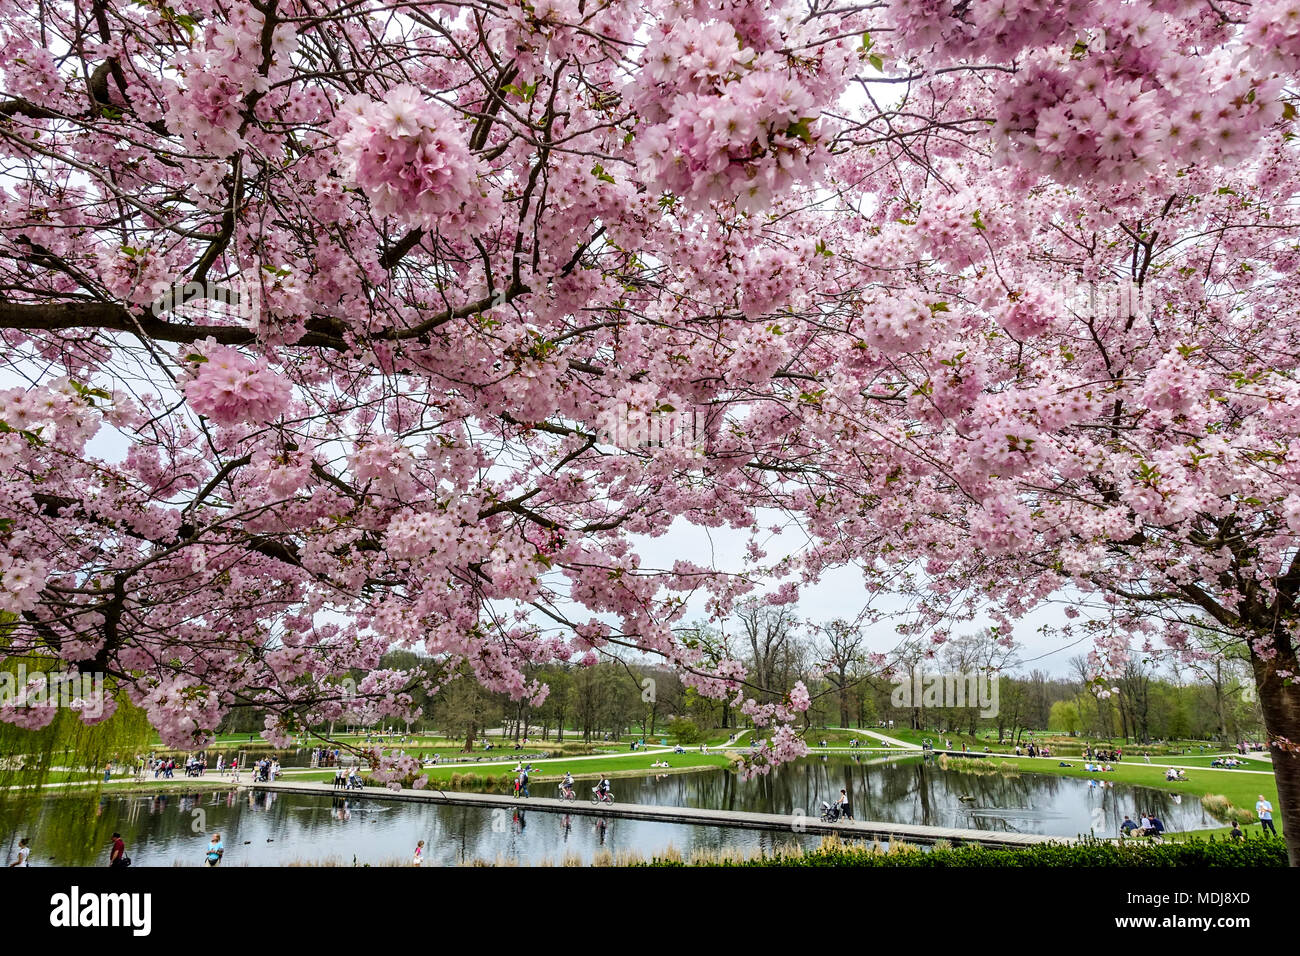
<point x="1280" y="703"/>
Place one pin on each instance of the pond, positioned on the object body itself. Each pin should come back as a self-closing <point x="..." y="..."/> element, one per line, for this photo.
<point x="263" y="828"/>
<point x="908" y="790"/>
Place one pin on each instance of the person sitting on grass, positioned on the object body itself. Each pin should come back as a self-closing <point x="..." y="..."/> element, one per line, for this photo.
<point x="1128" y="826"/>
<point x="1236" y="834"/>
<point x="1155" y="828"/>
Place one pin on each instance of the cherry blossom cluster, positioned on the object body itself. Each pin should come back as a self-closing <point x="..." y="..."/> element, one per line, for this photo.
<point x="208" y="103"/>
<point x="725" y="122"/>
<point x="231" y="388"/>
<point x="411" y="156"/>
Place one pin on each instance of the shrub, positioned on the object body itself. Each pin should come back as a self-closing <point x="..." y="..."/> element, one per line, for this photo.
<point x="1256" y="852"/>
<point x="1221" y="808"/>
<point x="979" y="765"/>
<point x="686" y="731"/>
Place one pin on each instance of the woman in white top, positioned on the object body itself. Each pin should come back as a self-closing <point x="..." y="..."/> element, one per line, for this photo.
<point x="24" y="854"/>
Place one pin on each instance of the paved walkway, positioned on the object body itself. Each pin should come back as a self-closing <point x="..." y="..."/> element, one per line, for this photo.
<point x="793" y="822"/>
<point x="891" y="741"/>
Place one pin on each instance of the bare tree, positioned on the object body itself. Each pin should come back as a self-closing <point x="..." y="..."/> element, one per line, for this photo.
<point x="768" y="629"/>
<point x="839" y="646"/>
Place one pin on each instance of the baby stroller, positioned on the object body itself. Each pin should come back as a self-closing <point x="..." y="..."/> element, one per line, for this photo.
<point x="830" y="814"/>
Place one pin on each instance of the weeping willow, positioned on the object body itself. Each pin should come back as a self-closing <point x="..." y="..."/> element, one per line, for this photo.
<point x="67" y="749"/>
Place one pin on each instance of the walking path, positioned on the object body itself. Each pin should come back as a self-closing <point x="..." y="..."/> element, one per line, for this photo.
<point x="795" y="822"/>
<point x="891" y="741"/>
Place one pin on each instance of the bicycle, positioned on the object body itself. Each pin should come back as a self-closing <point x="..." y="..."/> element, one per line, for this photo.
<point x="601" y="796"/>
<point x="566" y="793"/>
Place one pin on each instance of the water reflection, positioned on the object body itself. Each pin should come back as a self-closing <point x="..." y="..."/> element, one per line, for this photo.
<point x="911" y="791"/>
<point x="262" y="828"/>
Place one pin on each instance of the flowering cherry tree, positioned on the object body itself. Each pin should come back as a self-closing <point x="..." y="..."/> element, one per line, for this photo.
<point x="312" y="318"/>
<point x="1072" y="369"/>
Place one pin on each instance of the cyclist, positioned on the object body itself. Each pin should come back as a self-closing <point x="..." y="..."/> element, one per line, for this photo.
<point x="567" y="785"/>
<point x="602" y="788"/>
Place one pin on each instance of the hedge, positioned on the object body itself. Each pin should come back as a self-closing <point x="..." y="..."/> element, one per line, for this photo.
<point x="1256" y="852"/>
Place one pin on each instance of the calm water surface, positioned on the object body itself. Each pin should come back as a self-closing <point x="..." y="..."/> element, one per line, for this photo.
<point x="262" y="828"/>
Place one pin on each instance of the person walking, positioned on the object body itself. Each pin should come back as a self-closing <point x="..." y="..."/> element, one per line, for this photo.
<point x="1264" y="810"/>
<point x="216" y="850"/>
<point x="117" y="856"/>
<point x="24" y="854"/>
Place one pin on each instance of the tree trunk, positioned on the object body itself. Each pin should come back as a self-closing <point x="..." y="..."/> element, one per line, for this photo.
<point x="469" y="740"/>
<point x="1280" y="704"/>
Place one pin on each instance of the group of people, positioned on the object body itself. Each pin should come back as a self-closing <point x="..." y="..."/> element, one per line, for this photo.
<point x="521" y="779"/>
<point x="1034" y="750"/>
<point x="324" y="757"/>
<point x="1173" y="773"/>
<point x="1107" y="756"/>
<point x="349" y="779"/>
<point x="196" y="766"/>
<point x="266" y="770"/>
<point x="1228" y="762"/>
<point x="1150" y="826"/>
<point x="1098" y="767"/>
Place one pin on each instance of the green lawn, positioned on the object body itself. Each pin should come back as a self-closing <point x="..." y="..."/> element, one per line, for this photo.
<point x="548" y="770"/>
<point x="836" y="737"/>
<point x="1059" y="743"/>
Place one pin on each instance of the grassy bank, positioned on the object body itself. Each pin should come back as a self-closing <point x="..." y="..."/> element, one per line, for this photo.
<point x="833" y="852"/>
<point x="1258" y="852"/>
